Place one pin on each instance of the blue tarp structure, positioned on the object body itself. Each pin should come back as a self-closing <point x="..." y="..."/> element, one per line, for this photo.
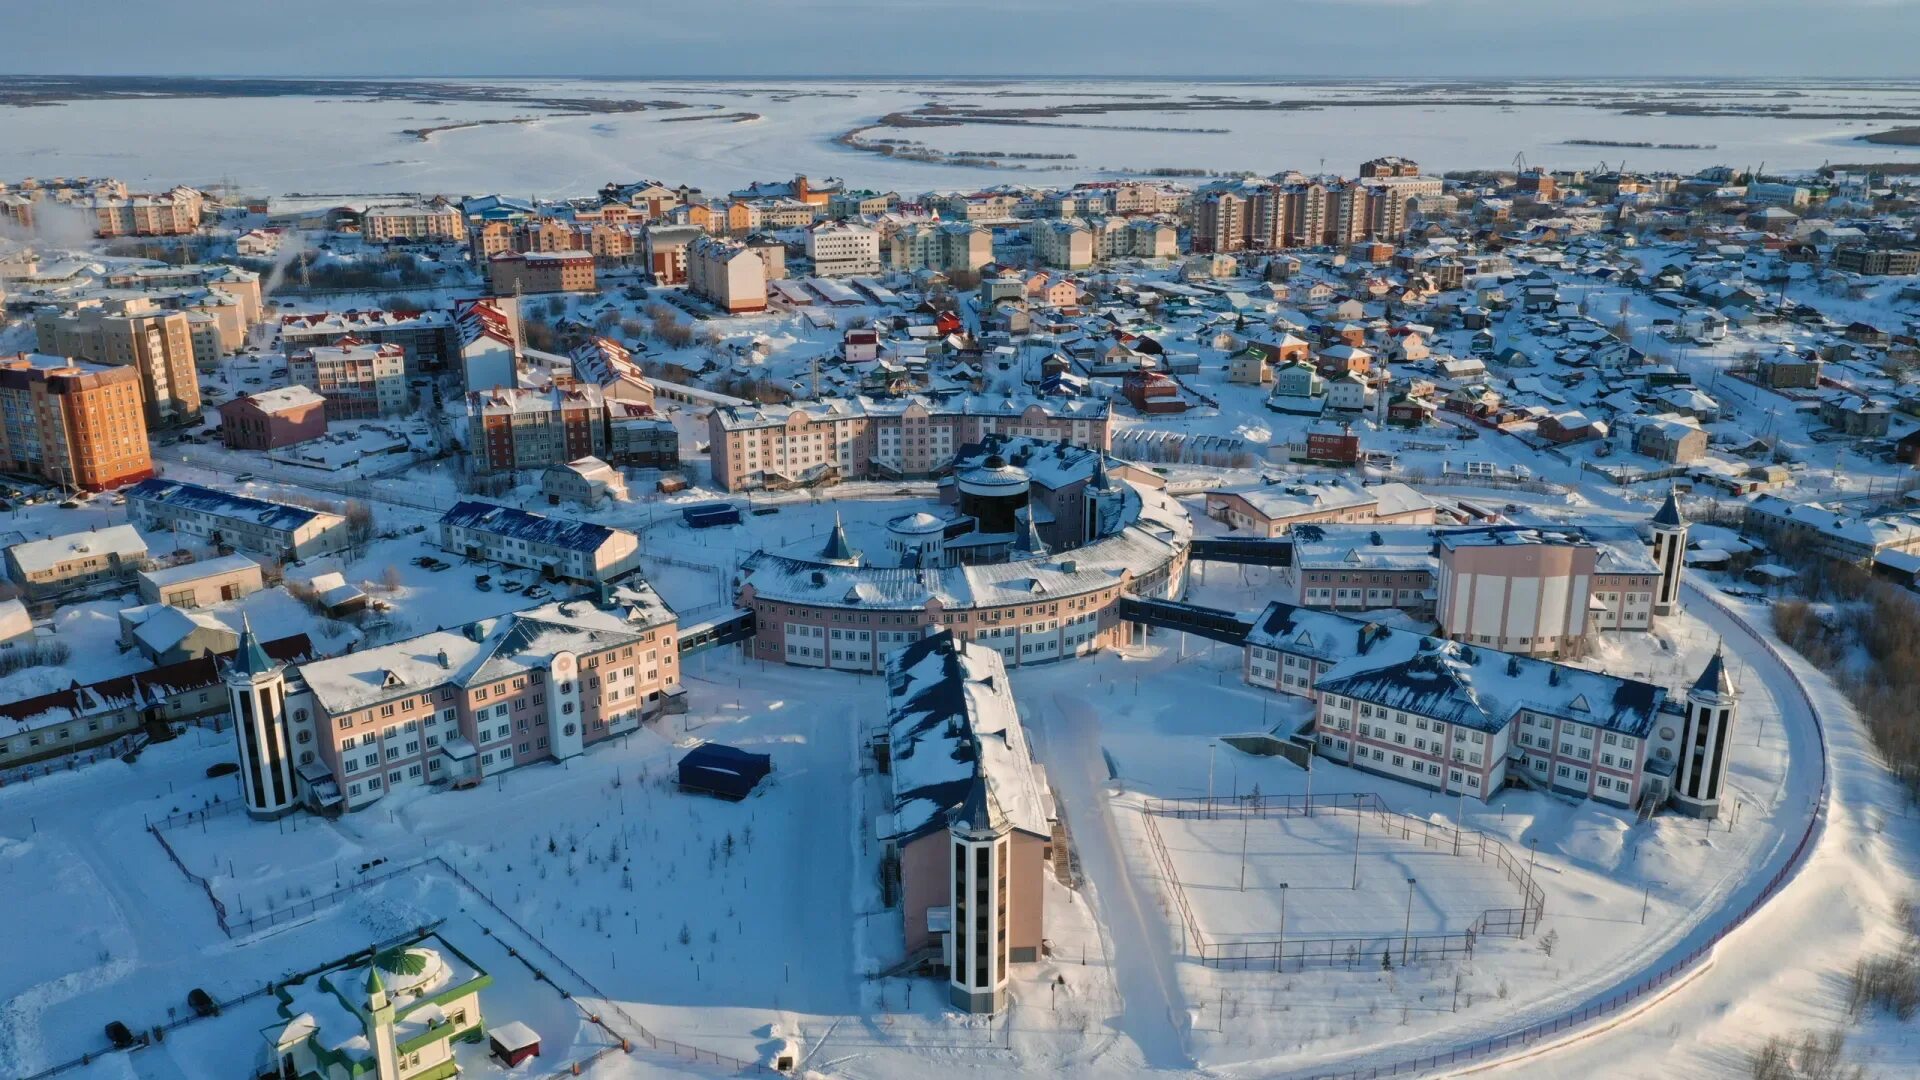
<point x="724" y="771"/>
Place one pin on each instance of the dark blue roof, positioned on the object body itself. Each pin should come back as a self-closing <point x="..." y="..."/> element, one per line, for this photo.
<point x="723" y="770"/>
<point x="531" y="528"/>
<point x="176" y="493"/>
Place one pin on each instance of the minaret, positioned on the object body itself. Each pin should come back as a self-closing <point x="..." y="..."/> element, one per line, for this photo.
<point x="978" y="839"/>
<point x="1027" y="541"/>
<point x="1669" y="554"/>
<point x="1702" y="768"/>
<point x="257" y="697"/>
<point x="386" y="1056"/>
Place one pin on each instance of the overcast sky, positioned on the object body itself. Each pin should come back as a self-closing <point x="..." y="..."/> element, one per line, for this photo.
<point x="925" y="38"/>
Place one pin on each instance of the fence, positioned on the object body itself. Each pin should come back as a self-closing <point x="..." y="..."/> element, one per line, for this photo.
<point x="20" y="774"/>
<point x="1679" y="968"/>
<point x="1367" y="806"/>
<point x="235" y="927"/>
<point x="147" y="1036"/>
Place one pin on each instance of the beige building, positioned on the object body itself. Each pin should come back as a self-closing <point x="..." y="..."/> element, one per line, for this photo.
<point x="727" y="274"/>
<point x="61" y="564"/>
<point x="202" y="584"/>
<point x="135" y="333"/>
<point x="973" y="840"/>
<point x="542" y="272"/>
<point x="757" y="446"/>
<point x="948" y="247"/>
<point x="360" y="380"/>
<point x="173" y="213"/>
<point x="436" y="220"/>
<point x="1065" y="243"/>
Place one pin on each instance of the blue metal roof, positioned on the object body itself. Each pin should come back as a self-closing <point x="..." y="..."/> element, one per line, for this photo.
<point x="531" y="528"/>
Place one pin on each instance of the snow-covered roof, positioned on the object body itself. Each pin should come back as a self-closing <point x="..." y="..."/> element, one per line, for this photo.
<point x="35" y="556"/>
<point x="179" y="495"/>
<point x="485" y="650"/>
<point x="198" y="571"/>
<point x="952" y="727"/>
<point x="280" y="399"/>
<point x="528" y="527"/>
<point x="1451" y="681"/>
<point x="1330" y="494"/>
<point x="749" y="417"/>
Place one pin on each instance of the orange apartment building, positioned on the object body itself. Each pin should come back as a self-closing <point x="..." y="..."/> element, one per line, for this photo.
<point x="171" y="213"/>
<point x="71" y="423"/>
<point x="542" y="272"/>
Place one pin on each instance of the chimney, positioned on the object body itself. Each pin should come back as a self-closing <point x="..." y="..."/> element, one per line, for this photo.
<point x="443" y="658"/>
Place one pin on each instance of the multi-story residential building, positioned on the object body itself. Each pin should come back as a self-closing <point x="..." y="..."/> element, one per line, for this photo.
<point x="437" y="220"/>
<point x="560" y="548"/>
<point x="861" y="437"/>
<point x="274" y="418"/>
<point x="947" y="247"/>
<point x="173" y="213"/>
<point x="665" y="251"/>
<point x="1836" y="533"/>
<point x="1877" y="261"/>
<point x="72" y="424"/>
<point x="851" y="204"/>
<point x="1272" y="509"/>
<point x="542" y="272"/>
<point x="429" y="340"/>
<point x="843" y="248"/>
<point x="237" y="282"/>
<point x="360" y="380"/>
<point x="1463" y="719"/>
<point x="640" y="437"/>
<point x="514" y="428"/>
<point x="489" y="348"/>
<point x="1391" y="165"/>
<point x="973" y="818"/>
<point x="609" y="365"/>
<point x="64" y="564"/>
<point x="1066" y="243"/>
<point x="16" y="211"/>
<point x="457" y="706"/>
<point x="132" y="333"/>
<point x="288" y="533"/>
<point x="727" y="274"/>
<point x="1133" y="238"/>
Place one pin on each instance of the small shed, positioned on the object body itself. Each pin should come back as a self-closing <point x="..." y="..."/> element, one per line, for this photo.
<point x="513" y="1042"/>
<point x="723" y="771"/>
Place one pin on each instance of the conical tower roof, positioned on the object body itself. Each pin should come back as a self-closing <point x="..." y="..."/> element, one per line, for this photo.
<point x="1670" y="515"/>
<point x="250" y="659"/>
<point x="1715" y="680"/>
<point x="1028" y="539"/>
<point x="376" y="989"/>
<point x="838" y="549"/>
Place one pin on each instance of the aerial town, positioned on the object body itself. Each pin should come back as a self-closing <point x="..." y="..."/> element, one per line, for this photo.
<point x="1330" y="623"/>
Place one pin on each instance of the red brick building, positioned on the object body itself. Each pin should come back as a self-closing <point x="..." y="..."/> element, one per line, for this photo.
<point x="1153" y="392"/>
<point x="273" y="419"/>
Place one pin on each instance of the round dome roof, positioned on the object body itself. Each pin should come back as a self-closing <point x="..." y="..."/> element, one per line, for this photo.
<point x="995" y="472"/>
<point x="921" y="522"/>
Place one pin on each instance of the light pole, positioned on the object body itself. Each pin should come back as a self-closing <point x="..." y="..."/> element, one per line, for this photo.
<point x="1246" y="818"/>
<point x="1406" y="932"/>
<point x="1646" y="895"/>
<point x="1211" y="744"/>
<point x="1533" y="853"/>
<point x="1310" y="756"/>
<point x="1280" y="959"/>
<point x="1356" y="847"/>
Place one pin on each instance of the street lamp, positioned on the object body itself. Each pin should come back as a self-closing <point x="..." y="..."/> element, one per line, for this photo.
<point x="1646" y="895"/>
<point x="1357" y="815"/>
<point x="1280" y="958"/>
<point x="1406" y="932"/>
<point x="1246" y="818"/>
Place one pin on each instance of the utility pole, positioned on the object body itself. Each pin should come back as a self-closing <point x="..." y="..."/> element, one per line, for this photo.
<point x="1280" y="959"/>
<point x="1406" y="932"/>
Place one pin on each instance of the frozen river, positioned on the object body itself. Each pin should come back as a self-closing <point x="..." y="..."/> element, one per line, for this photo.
<point x="729" y="133"/>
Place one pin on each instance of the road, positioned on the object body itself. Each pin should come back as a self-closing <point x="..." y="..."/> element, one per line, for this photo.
<point x="1141" y="944"/>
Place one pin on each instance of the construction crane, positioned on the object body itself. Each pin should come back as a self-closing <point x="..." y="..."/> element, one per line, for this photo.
<point x="1519" y="164"/>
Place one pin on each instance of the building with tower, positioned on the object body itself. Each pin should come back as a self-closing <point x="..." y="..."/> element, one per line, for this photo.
<point x="257" y="697"/>
<point x="383" y="1015"/>
<point x="972" y="820"/>
<point x="1669" y="554"/>
<point x="1701" y="770"/>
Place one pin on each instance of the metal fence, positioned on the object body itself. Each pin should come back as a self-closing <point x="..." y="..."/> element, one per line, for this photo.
<point x="1671" y="973"/>
<point x="1368" y="808"/>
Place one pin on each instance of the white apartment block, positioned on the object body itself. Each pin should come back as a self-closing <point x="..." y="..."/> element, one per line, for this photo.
<point x="561" y="548"/>
<point x="727" y="274"/>
<point x="431" y="221"/>
<point x="843" y="248"/>
<point x="289" y="533"/>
